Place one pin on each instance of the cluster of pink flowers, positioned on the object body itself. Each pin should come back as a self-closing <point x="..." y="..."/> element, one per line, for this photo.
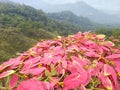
<point x="115" y="40"/>
<point x="83" y="61"/>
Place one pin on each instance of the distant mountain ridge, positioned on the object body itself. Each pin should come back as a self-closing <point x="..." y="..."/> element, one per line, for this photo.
<point x="79" y="8"/>
<point x="69" y="17"/>
<point x="22" y="26"/>
<point x="14" y="12"/>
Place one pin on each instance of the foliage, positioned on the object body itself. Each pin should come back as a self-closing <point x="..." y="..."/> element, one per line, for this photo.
<point x="22" y="26"/>
<point x="112" y="34"/>
<point x="12" y="41"/>
<point x="26" y="17"/>
<point x="83" y="61"/>
<point x="69" y="17"/>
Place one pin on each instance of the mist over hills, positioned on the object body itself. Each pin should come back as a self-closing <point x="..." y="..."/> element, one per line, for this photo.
<point x="69" y="17"/>
<point x="23" y="26"/>
<point x="113" y="12"/>
<point x="79" y="8"/>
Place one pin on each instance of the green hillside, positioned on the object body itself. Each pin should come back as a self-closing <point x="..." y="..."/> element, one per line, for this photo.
<point x="26" y="17"/>
<point x="69" y="17"/>
<point x="12" y="42"/>
<point x="22" y="26"/>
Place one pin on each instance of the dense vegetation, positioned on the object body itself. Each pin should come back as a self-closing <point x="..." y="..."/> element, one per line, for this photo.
<point x="83" y="61"/>
<point x="69" y="17"/>
<point x="112" y="34"/>
<point x="88" y="59"/>
<point x="13" y="41"/>
<point x="26" y="17"/>
<point x="22" y="26"/>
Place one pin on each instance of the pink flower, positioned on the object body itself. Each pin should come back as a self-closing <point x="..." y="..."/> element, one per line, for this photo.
<point x="108" y="44"/>
<point x="64" y="64"/>
<point x="58" y="50"/>
<point x="108" y="78"/>
<point x="110" y="72"/>
<point x="116" y="64"/>
<point x="30" y="63"/>
<point x="77" y="68"/>
<point x="33" y="71"/>
<point x="81" y="61"/>
<point x="47" y="58"/>
<point x="106" y="82"/>
<point x="72" y="48"/>
<point x="11" y="64"/>
<point x="111" y="37"/>
<point x="72" y="81"/>
<point x="33" y="84"/>
<point x="115" y="40"/>
<point x="13" y="81"/>
<point x="92" y="54"/>
<point x="73" y="62"/>
<point x="113" y="56"/>
<point x="6" y="73"/>
<point x="96" y="68"/>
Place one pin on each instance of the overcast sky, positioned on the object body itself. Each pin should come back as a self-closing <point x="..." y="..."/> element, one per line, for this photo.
<point x="99" y="4"/>
<point x="102" y="4"/>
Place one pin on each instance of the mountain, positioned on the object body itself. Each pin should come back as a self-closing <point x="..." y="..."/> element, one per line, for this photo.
<point x="69" y="17"/>
<point x="22" y="16"/>
<point x="79" y="8"/>
<point x="22" y="26"/>
<point x="113" y="12"/>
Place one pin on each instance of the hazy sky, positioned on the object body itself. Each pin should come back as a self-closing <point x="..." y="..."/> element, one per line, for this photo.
<point x="102" y="4"/>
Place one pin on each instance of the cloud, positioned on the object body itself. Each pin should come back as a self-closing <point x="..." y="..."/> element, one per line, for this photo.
<point x="60" y="1"/>
<point x="100" y="4"/>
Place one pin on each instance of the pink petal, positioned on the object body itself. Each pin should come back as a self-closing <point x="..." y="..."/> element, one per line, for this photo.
<point x="82" y="87"/>
<point x="106" y="82"/>
<point x="34" y="71"/>
<point x="64" y="64"/>
<point x="113" y="56"/>
<point x="109" y="44"/>
<point x="58" y="50"/>
<point x="47" y="59"/>
<point x="30" y="63"/>
<point x="91" y="54"/>
<point x="6" y="73"/>
<point x="13" y="81"/>
<point x="56" y="59"/>
<point x="80" y="60"/>
<point x="109" y="71"/>
<point x="95" y="71"/>
<point x="75" y="77"/>
<point x="31" y="84"/>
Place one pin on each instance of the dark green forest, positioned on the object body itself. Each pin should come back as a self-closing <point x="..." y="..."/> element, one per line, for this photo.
<point x="21" y="27"/>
